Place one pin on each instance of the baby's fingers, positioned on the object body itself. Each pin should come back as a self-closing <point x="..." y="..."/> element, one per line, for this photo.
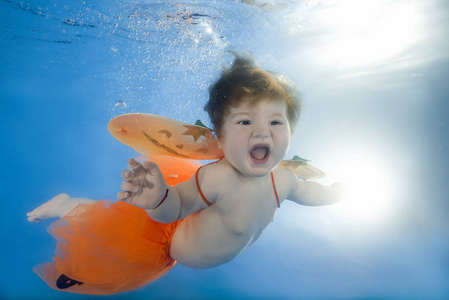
<point x="127" y="186"/>
<point x="135" y="165"/>
<point x="127" y="175"/>
<point x="122" y="196"/>
<point x="151" y="167"/>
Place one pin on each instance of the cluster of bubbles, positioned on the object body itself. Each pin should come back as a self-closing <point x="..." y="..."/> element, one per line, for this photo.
<point x="168" y="54"/>
<point x="149" y="54"/>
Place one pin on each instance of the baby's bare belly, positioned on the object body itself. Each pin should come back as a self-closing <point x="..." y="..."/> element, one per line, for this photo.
<point x="205" y="241"/>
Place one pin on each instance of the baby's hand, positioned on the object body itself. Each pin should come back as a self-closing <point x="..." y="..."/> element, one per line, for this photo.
<point x="340" y="190"/>
<point x="144" y="186"/>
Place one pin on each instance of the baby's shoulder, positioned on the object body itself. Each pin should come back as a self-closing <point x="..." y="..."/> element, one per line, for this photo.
<point x="284" y="173"/>
<point x="285" y="178"/>
<point x="213" y="180"/>
<point x="215" y="171"/>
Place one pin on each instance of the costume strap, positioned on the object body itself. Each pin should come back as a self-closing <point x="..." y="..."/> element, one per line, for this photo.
<point x="275" y="191"/>
<point x="199" y="189"/>
<point x="198" y="184"/>
<point x="208" y="203"/>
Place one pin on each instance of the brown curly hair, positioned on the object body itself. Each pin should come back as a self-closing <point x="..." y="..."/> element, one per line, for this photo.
<point x="247" y="82"/>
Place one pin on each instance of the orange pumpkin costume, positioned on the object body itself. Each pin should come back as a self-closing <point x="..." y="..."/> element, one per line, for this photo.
<point x="106" y="248"/>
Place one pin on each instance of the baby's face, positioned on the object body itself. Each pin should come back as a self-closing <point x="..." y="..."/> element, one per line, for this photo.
<point x="255" y="139"/>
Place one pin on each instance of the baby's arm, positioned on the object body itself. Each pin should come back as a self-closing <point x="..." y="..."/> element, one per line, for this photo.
<point x="145" y="187"/>
<point x="312" y="193"/>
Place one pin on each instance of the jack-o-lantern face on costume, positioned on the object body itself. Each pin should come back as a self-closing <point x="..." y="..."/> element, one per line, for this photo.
<point x="157" y="135"/>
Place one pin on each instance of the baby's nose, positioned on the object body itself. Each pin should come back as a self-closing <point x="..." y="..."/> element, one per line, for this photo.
<point x="261" y="133"/>
<point x="262" y="137"/>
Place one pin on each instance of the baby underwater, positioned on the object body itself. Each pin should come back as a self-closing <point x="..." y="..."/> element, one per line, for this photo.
<point x="201" y="221"/>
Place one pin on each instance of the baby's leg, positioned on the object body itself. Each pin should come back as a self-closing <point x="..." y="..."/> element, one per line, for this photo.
<point x="58" y="207"/>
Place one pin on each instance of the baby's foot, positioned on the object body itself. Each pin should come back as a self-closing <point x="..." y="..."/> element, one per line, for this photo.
<point x="49" y="209"/>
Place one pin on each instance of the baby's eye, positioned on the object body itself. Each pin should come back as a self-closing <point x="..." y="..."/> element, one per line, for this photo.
<point x="275" y="123"/>
<point x="245" y="122"/>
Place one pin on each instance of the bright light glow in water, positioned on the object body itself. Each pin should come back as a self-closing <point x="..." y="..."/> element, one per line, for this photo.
<point x="67" y="67"/>
<point x="365" y="32"/>
<point x="369" y="191"/>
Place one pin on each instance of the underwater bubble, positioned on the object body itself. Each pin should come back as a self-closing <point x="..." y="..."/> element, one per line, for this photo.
<point x="120" y="103"/>
<point x="69" y="22"/>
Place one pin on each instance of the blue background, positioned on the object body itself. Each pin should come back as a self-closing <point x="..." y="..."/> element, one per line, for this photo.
<point x="67" y="68"/>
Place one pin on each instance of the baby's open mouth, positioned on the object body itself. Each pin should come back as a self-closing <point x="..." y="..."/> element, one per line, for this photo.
<point x="259" y="152"/>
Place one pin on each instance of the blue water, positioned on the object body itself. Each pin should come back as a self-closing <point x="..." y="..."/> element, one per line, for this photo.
<point x="375" y="95"/>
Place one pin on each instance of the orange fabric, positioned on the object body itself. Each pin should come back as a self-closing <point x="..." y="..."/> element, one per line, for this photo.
<point x="106" y="248"/>
<point x="158" y="135"/>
